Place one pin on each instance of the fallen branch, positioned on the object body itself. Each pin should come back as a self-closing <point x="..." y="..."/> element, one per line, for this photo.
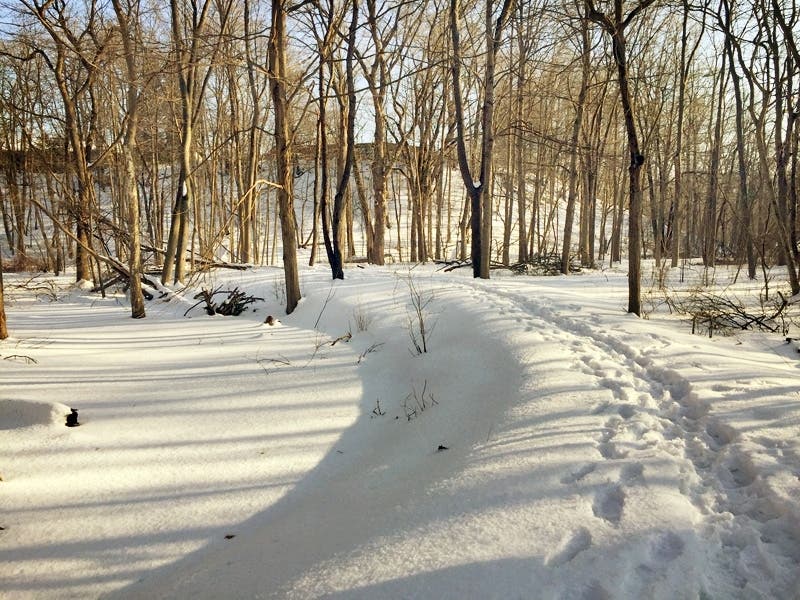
<point x="720" y="313"/>
<point x="21" y="357"/>
<point x="342" y="338"/>
<point x="452" y="265"/>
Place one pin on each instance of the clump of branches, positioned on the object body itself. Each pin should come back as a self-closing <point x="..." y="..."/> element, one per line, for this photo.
<point x="539" y="264"/>
<point x="234" y="303"/>
<point x="544" y="264"/>
<point x="25" y="263"/>
<point x="723" y="314"/>
<point x="414" y="404"/>
<point x="42" y="287"/>
<point x="362" y="318"/>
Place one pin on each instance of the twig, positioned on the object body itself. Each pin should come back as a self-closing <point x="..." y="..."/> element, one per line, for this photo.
<point x="342" y="338"/>
<point x="371" y="349"/>
<point x="27" y="359"/>
<point x="331" y="293"/>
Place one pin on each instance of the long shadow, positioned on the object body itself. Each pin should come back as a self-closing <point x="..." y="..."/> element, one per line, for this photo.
<point x="382" y="479"/>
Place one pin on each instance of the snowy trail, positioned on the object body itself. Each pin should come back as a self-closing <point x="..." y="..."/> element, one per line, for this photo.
<point x="368" y="489"/>
<point x="620" y="471"/>
<point x="656" y="412"/>
<point x="589" y="455"/>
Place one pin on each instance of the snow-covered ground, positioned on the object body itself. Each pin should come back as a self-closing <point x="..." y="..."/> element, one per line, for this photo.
<point x="546" y="446"/>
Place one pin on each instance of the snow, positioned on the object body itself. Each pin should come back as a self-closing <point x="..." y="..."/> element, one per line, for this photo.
<point x="16" y="414"/>
<point x="548" y="445"/>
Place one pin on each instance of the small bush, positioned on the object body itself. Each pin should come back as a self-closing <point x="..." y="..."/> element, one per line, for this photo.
<point x="361" y="318"/>
<point x="23" y="263"/>
<point x="419" y="329"/>
<point x="279" y="289"/>
<point x="414" y="404"/>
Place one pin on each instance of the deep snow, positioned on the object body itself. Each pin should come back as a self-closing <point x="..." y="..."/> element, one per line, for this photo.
<point x="547" y="446"/>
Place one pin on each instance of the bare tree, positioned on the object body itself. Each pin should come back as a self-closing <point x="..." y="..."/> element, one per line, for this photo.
<point x="77" y="47"/>
<point x="573" y="142"/>
<point x="189" y="29"/>
<point x="686" y="57"/>
<point x="478" y="188"/>
<point x="383" y="27"/>
<point x="614" y="24"/>
<point x="769" y="67"/>
<point x="710" y="218"/>
<point x="325" y="22"/>
<point x="127" y="18"/>
<point x="333" y="240"/>
<point x="283" y="151"/>
<point x="3" y="325"/>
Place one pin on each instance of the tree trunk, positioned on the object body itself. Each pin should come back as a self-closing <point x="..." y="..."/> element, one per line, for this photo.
<point x="3" y="325"/>
<point x="677" y="207"/>
<point x="710" y="221"/>
<point x="743" y="240"/>
<point x="363" y="202"/>
<point x="335" y="257"/>
<point x="129" y="168"/>
<point x="573" y="150"/>
<point x="478" y="189"/>
<point x="283" y="152"/>
<point x="616" y="29"/>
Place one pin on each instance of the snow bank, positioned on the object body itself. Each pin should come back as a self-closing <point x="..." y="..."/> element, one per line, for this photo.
<point x="16" y="414"/>
<point x="547" y="446"/>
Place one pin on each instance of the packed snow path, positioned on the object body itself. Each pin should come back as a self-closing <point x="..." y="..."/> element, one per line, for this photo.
<point x="548" y="446"/>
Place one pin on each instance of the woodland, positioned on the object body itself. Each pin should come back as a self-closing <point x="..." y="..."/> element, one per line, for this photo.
<point x="143" y="142"/>
<point x="354" y="380"/>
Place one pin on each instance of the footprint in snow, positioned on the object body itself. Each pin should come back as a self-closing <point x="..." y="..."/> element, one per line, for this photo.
<point x="590" y="591"/>
<point x="578" y="474"/>
<point x="632" y="473"/>
<point x="573" y="544"/>
<point x="736" y="473"/>
<point x="617" y="387"/>
<point x="720" y="434"/>
<point x="666" y="546"/>
<point x="611" y="451"/>
<point x="606" y="447"/>
<point x="609" y="503"/>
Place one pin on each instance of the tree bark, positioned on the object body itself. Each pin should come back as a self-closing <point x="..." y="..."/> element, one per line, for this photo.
<point x="615" y="27"/>
<point x="334" y="246"/>
<point x="3" y="323"/>
<point x="710" y="219"/>
<point x="573" y="151"/>
<point x="478" y="190"/>
<point x="128" y="167"/>
<point x="283" y="152"/>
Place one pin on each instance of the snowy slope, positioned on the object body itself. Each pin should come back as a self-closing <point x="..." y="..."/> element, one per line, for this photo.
<point x="565" y="449"/>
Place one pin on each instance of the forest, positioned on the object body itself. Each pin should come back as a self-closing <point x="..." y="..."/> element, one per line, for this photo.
<point x="144" y="140"/>
<point x="443" y="300"/>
